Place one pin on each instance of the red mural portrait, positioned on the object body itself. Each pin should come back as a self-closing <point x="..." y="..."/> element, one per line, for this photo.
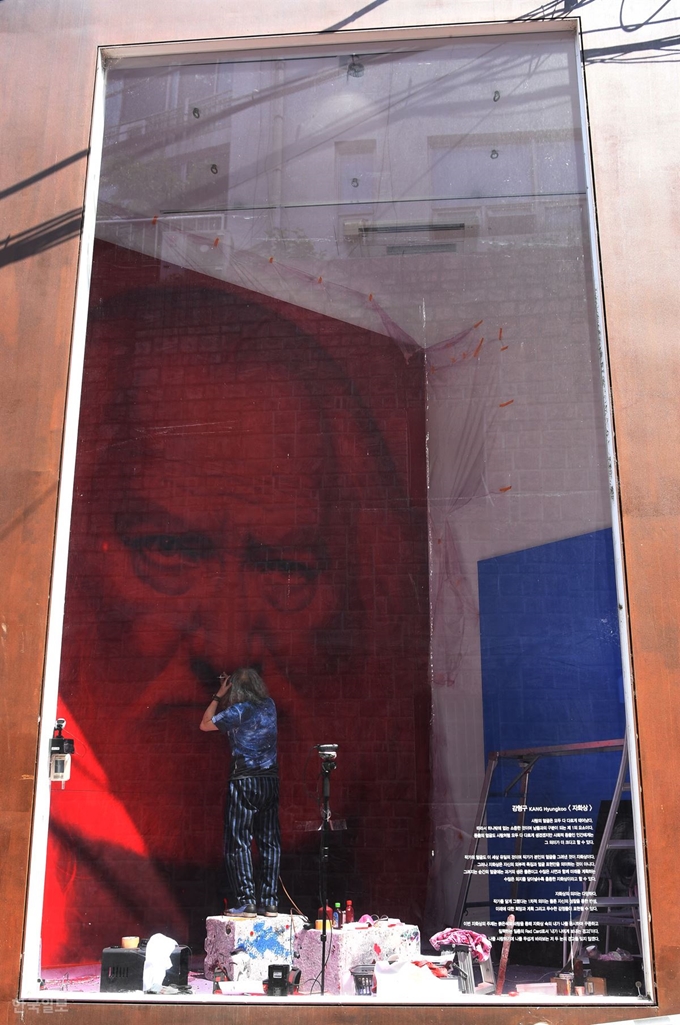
<point x="249" y="492"/>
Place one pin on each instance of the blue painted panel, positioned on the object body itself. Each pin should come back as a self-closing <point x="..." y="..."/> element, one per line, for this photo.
<point x="551" y="673"/>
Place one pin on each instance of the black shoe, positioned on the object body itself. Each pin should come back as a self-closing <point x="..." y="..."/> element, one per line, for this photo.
<point x="244" y="911"/>
<point x="270" y="910"/>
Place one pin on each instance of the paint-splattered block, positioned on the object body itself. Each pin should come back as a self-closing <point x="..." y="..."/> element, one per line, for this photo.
<point x="355" y="944"/>
<point x="245" y="947"/>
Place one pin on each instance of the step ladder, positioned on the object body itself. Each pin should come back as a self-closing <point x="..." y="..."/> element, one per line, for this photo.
<point x="619" y="910"/>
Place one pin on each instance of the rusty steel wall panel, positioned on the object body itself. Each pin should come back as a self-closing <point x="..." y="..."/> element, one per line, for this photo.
<point x="49" y="53"/>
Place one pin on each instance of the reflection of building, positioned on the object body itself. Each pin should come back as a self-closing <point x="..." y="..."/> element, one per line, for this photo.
<point x="309" y="163"/>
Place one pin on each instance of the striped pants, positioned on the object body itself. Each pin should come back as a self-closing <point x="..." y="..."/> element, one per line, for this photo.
<point x="253" y="813"/>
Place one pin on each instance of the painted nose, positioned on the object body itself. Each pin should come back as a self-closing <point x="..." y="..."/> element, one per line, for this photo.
<point x="226" y="624"/>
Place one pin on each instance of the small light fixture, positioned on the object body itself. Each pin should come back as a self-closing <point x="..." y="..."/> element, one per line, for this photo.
<point x="196" y="112"/>
<point x="494" y="154"/>
<point x="214" y="168"/>
<point x="355" y="68"/>
<point x="496" y="96"/>
<point x="61" y="749"/>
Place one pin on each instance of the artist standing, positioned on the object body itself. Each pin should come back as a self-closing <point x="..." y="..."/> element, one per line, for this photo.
<point x="243" y="710"/>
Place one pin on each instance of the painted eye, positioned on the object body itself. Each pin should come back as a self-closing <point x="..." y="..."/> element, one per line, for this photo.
<point x="288" y="575"/>
<point x="166" y="561"/>
<point x="188" y="547"/>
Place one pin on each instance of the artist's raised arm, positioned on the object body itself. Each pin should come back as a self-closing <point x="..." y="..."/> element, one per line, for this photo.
<point x="206" y="724"/>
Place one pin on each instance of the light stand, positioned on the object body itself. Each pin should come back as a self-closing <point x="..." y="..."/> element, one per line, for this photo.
<point x="328" y="754"/>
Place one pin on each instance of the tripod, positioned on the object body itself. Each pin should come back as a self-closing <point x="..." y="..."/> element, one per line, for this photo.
<point x="328" y="753"/>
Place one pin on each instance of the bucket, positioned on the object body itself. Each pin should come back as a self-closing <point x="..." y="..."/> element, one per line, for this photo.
<point x="363" y="979"/>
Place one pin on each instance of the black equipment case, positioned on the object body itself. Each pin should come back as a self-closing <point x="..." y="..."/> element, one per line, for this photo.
<point x="123" y="968"/>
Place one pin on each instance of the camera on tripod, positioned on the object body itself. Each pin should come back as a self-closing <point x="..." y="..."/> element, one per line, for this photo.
<point x="327" y="752"/>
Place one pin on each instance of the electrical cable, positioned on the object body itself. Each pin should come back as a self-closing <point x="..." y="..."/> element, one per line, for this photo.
<point x="329" y="936"/>
<point x="283" y="887"/>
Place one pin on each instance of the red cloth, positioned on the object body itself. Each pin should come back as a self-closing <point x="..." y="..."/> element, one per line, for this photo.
<point x="480" y="944"/>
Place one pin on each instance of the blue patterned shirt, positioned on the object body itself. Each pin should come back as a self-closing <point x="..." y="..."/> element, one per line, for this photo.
<point x="251" y="729"/>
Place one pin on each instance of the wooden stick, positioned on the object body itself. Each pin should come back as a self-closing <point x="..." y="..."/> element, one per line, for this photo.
<point x="500" y="981"/>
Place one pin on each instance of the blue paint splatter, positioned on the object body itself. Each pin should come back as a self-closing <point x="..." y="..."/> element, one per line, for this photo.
<point x="266" y="941"/>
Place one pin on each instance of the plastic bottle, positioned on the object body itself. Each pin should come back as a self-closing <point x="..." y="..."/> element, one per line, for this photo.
<point x="579" y="979"/>
<point x="349" y="912"/>
<point x="337" y="915"/>
<point x="220" y="975"/>
<point x="329" y="914"/>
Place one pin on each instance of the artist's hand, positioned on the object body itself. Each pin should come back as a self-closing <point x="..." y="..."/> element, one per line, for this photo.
<point x="225" y="684"/>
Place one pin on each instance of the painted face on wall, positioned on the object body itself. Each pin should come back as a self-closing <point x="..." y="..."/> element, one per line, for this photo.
<point x="214" y="541"/>
<point x="210" y="538"/>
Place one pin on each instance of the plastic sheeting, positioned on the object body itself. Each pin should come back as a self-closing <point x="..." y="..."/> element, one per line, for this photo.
<point x="342" y="378"/>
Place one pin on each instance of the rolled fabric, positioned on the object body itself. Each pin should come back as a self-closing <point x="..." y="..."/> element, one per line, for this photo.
<point x="479" y="944"/>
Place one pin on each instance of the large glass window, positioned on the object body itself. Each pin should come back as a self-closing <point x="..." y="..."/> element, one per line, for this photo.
<point x="343" y="424"/>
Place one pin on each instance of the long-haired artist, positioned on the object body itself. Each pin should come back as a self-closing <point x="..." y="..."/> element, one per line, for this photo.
<point x="242" y="709"/>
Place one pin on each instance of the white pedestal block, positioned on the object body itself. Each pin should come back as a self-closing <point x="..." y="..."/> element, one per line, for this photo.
<point x="263" y="941"/>
<point x="353" y="945"/>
